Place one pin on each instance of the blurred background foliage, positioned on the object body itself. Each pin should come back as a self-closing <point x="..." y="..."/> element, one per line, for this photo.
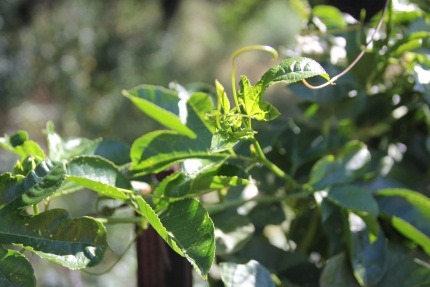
<point x="68" y="61"/>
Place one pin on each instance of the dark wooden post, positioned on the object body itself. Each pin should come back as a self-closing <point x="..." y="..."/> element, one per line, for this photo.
<point x="158" y="265"/>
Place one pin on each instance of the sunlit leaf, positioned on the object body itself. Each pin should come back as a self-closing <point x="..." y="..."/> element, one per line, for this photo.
<point x="98" y="174"/>
<point x="329" y="16"/>
<point x="250" y="98"/>
<point x="60" y="149"/>
<point x="20" y="144"/>
<point x="15" y="270"/>
<point x="251" y="274"/>
<point x="155" y="151"/>
<point x="195" y="240"/>
<point x="162" y="105"/>
<point x="409" y="212"/>
<point x="290" y="71"/>
<point x="208" y="175"/>
<point x="40" y="183"/>
<point x="222" y="97"/>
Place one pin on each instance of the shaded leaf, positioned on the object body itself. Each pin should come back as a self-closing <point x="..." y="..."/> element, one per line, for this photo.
<point x="368" y="255"/>
<point x="72" y="242"/>
<point x="116" y="151"/>
<point x="15" y="270"/>
<point x="162" y="105"/>
<point x="98" y="174"/>
<point x="337" y="273"/>
<point x="348" y="165"/>
<point x="251" y="274"/>
<point x="354" y="198"/>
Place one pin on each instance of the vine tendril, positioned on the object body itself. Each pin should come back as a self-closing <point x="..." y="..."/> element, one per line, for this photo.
<point x="359" y="56"/>
<point x="242" y="51"/>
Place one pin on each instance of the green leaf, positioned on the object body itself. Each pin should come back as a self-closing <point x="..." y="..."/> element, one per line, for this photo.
<point x="409" y="212"/>
<point x="355" y="198"/>
<point x="20" y="144"/>
<point x="411" y="42"/>
<point x="330" y="16"/>
<point x="222" y="97"/>
<point x="116" y="151"/>
<point x="162" y="105"/>
<point x="196" y="238"/>
<point x="98" y="174"/>
<point x="15" y="270"/>
<point x="249" y="98"/>
<point x="156" y="151"/>
<point x="348" y="165"/>
<point x="337" y="273"/>
<point x="60" y="149"/>
<point x="290" y="71"/>
<point x="40" y="183"/>
<point x="249" y="274"/>
<point x="206" y="175"/>
<point x="403" y="270"/>
<point x="72" y="242"/>
<point x="187" y="228"/>
<point x="368" y="255"/>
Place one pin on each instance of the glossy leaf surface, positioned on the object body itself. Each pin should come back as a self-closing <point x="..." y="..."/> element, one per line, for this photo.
<point x="98" y="174"/>
<point x="54" y="235"/>
<point x="195" y="240"/>
<point x="40" y="183"/>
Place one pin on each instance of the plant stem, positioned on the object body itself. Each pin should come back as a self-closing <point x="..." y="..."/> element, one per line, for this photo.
<point x="271" y="166"/>
<point x="358" y="58"/>
<point x="260" y="199"/>
<point x="117" y="220"/>
<point x="36" y="209"/>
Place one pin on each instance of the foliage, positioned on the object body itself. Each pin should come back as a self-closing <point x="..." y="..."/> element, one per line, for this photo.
<point x="334" y="195"/>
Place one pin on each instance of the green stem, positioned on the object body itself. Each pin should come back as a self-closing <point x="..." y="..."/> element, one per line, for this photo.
<point x="242" y="51"/>
<point x="259" y="199"/>
<point x="312" y="230"/>
<point x="271" y="166"/>
<point x="36" y="209"/>
<point x="119" y="220"/>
